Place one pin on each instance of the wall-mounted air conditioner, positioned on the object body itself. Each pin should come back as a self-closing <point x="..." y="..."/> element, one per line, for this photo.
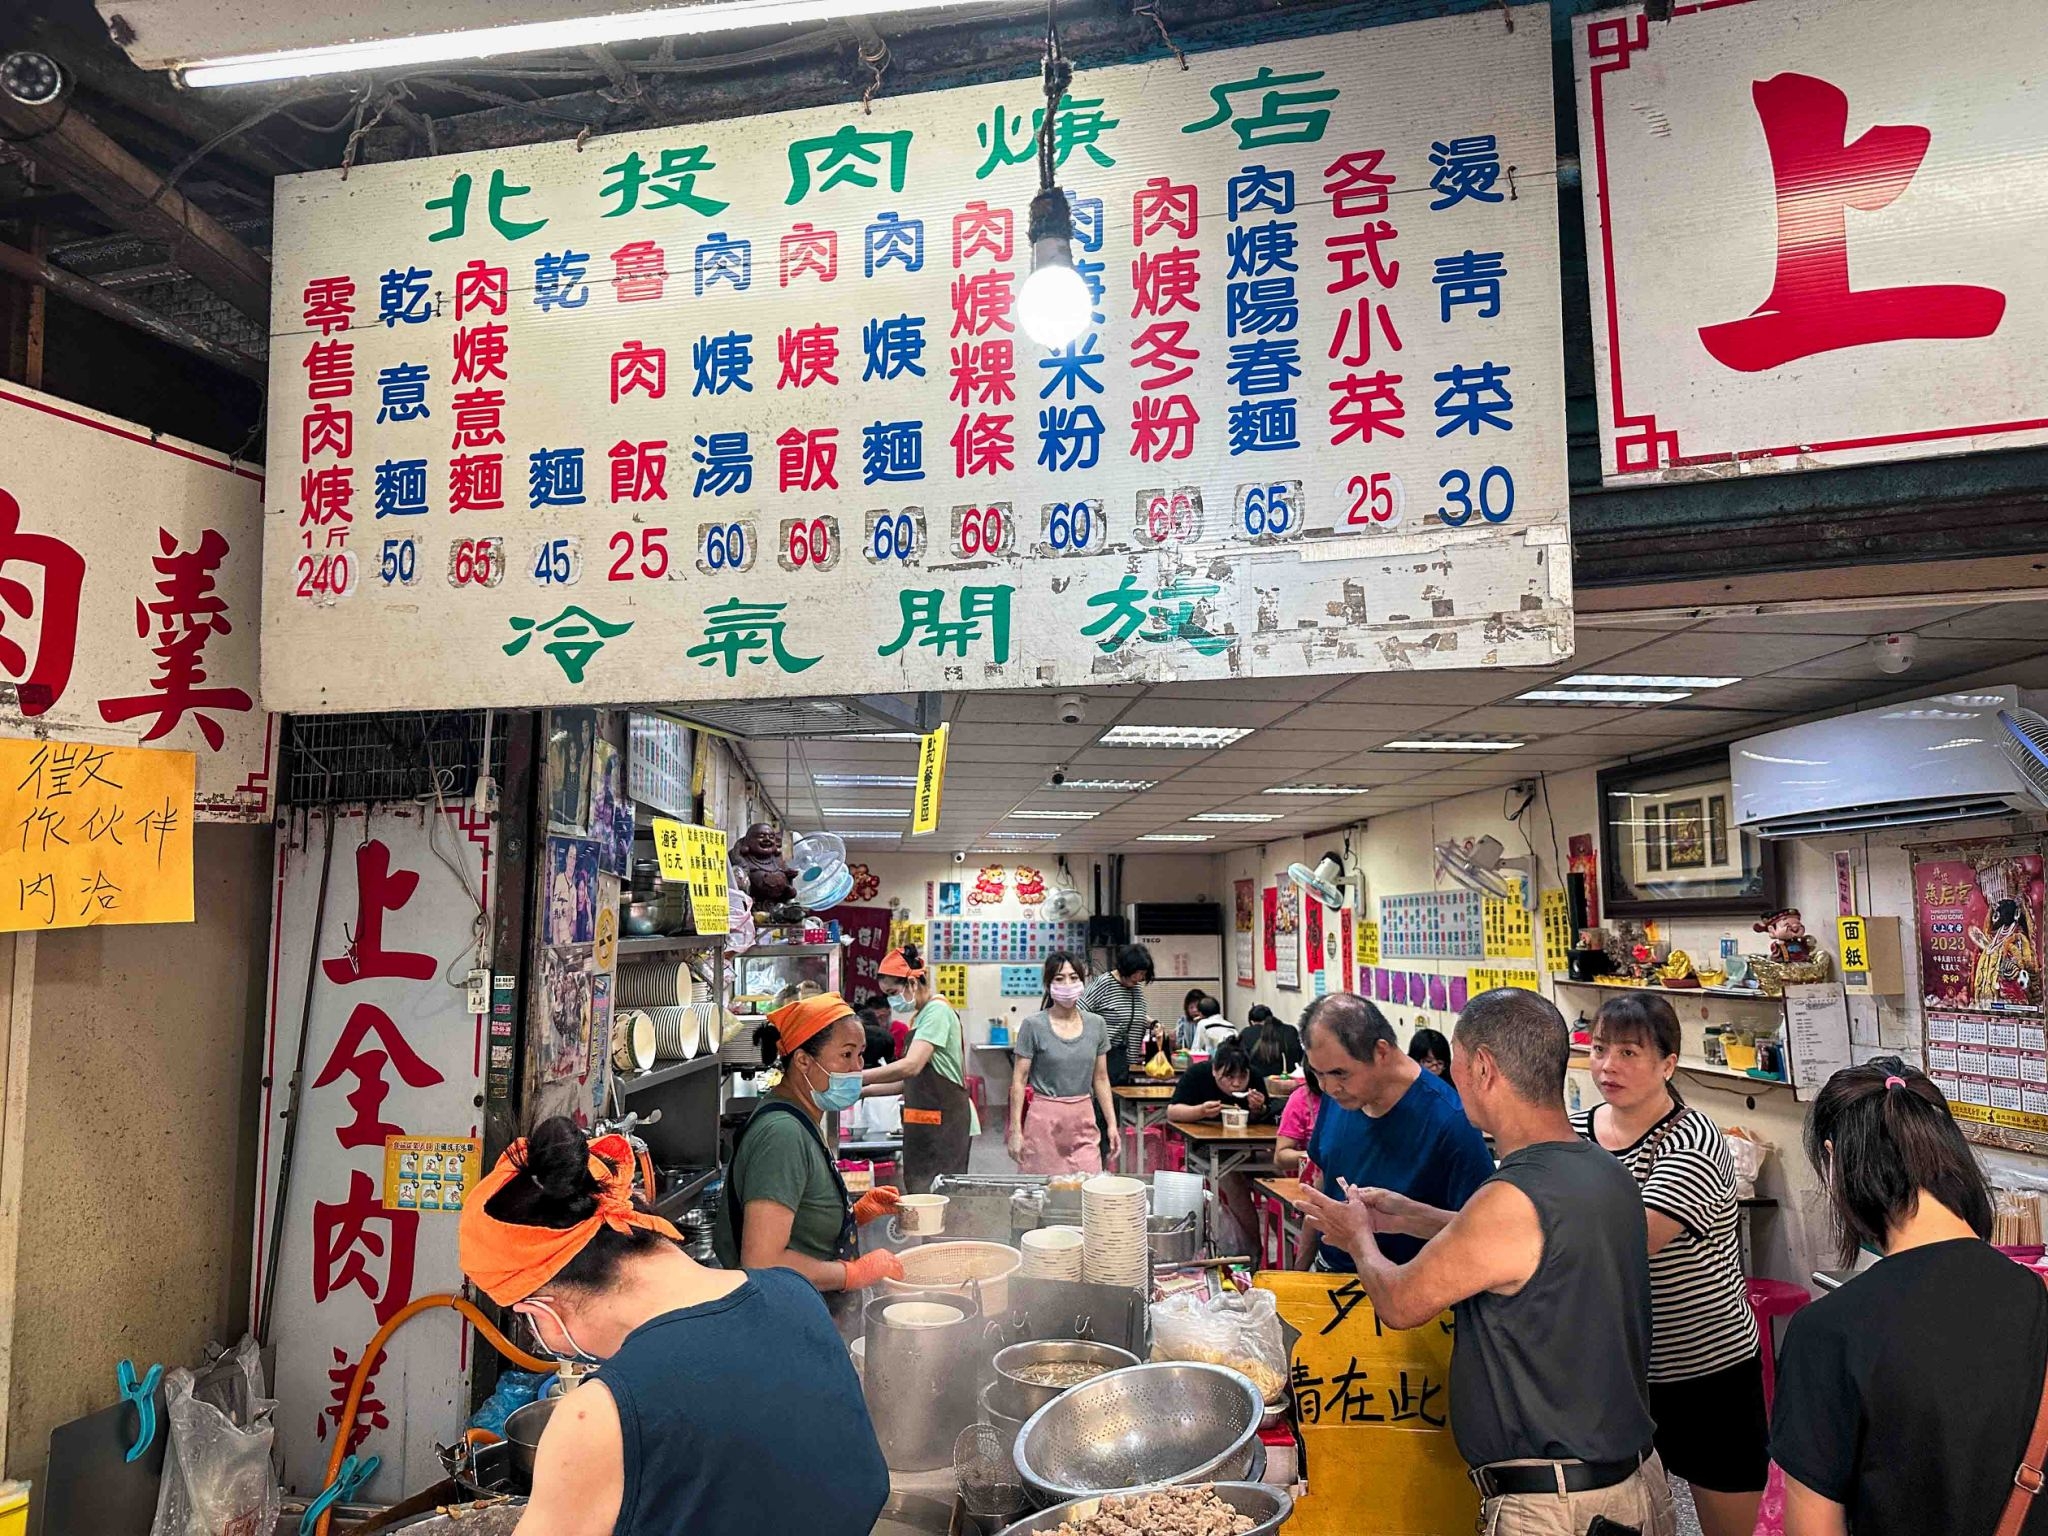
<point x="1900" y="765"/>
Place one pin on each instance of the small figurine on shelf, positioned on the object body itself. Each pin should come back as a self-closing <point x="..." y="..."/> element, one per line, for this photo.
<point x="760" y="870"/>
<point x="1677" y="972"/>
<point x="1790" y="944"/>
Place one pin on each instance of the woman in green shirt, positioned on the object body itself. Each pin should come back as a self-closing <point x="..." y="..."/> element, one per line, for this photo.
<point x="939" y="1122"/>
<point x="785" y="1205"/>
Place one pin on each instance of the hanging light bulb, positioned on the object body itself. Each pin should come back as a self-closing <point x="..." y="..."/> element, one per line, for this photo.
<point x="1054" y="306"/>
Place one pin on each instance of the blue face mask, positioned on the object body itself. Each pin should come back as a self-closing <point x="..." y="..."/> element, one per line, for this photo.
<point x="841" y="1091"/>
<point x="899" y="1003"/>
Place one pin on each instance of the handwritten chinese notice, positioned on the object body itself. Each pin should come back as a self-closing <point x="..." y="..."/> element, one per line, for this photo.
<point x="1373" y="1407"/>
<point x="129" y="612"/>
<point x="744" y="409"/>
<point x="696" y="855"/>
<point x="91" y="835"/>
<point x="1796" y="260"/>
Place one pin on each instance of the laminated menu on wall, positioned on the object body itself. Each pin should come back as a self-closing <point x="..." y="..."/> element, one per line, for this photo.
<point x="1816" y="1034"/>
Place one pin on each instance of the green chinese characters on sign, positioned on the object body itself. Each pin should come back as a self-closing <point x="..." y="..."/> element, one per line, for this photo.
<point x="752" y="632"/>
<point x="672" y="183"/>
<point x="850" y="156"/>
<point x="925" y="623"/>
<point x="456" y="204"/>
<point x="1281" y="116"/>
<point x="1161" y="616"/>
<point x="578" y="635"/>
<point x="1080" y="124"/>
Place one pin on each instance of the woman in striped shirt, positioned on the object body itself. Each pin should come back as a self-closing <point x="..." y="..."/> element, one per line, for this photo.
<point x="1706" y="1371"/>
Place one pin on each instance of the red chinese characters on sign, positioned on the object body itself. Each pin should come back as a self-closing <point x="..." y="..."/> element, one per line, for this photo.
<point x="189" y="612"/>
<point x="355" y="1238"/>
<point x="40" y="669"/>
<point x="1820" y="175"/>
<point x="357" y="1244"/>
<point x="370" y="1410"/>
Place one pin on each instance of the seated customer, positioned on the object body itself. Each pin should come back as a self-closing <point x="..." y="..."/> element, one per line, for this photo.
<point x="1906" y="1398"/>
<point x="1429" y="1050"/>
<point x="1211" y="1028"/>
<point x="1389" y="1124"/>
<point x="1199" y="1098"/>
<point x="1548" y="1269"/>
<point x="1274" y="1046"/>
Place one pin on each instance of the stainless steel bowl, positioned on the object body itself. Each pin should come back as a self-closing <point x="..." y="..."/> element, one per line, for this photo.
<point x="1271" y="1507"/>
<point x="523" y="1428"/>
<point x="1135" y="1428"/>
<point x="1027" y="1397"/>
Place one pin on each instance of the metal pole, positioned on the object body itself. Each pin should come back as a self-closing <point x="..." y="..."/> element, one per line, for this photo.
<point x="292" y="1097"/>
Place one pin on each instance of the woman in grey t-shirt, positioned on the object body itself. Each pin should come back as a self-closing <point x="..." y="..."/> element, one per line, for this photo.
<point x="1062" y="1058"/>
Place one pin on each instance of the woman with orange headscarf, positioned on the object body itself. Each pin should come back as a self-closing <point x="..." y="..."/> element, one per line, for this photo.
<point x="939" y="1122"/>
<point x="555" y="1234"/>
<point x="785" y="1205"/>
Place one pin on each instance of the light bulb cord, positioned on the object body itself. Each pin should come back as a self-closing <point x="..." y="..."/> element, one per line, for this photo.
<point x="1059" y="75"/>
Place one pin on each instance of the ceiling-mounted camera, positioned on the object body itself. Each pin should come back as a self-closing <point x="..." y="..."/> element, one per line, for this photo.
<point x="1059" y="776"/>
<point x="1072" y="709"/>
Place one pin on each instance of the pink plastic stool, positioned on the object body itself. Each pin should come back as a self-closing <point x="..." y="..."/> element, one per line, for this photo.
<point x="1769" y="1299"/>
<point x="977" y="1090"/>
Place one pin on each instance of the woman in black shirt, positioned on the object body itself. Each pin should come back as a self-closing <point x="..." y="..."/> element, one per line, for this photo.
<point x="1906" y="1398"/>
<point x="1274" y="1047"/>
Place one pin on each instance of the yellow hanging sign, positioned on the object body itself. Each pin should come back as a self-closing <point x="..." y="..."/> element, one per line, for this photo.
<point x="931" y="782"/>
<point x="1373" y="1407"/>
<point x="93" y="835"/>
<point x="696" y="855"/>
<point x="1557" y="929"/>
<point x="1368" y="943"/>
<point x="950" y="982"/>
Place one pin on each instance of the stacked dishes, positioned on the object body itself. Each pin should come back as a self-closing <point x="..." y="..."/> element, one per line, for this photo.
<point x="1053" y="1253"/>
<point x="677" y="1031"/>
<point x="633" y="1042"/>
<point x="1113" y="1246"/>
<point x="654" y="984"/>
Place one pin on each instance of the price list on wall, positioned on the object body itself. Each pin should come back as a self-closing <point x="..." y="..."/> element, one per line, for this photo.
<point x="745" y="408"/>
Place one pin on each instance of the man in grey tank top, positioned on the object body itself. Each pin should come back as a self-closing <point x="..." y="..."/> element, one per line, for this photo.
<point x="1547" y="1268"/>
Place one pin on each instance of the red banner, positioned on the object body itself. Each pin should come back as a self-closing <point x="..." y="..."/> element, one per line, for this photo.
<point x="1980" y="925"/>
<point x="1270" y="926"/>
<point x="867" y="935"/>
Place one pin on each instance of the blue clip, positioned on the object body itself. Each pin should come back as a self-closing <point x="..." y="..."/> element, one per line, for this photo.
<point x="355" y="1472"/>
<point x="143" y="1395"/>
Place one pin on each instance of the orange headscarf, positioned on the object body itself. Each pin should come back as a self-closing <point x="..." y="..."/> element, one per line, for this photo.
<point x="806" y="1018"/>
<point x="510" y="1262"/>
<point x="897" y="968"/>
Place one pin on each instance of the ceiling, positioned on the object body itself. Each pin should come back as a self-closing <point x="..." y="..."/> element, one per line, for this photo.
<point x="1006" y="746"/>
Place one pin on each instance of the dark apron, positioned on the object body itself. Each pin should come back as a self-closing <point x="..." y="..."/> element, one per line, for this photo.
<point x="938" y="1129"/>
<point x="841" y="1304"/>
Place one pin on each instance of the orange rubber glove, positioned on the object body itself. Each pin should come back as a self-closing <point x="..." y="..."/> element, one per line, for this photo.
<point x="875" y="1204"/>
<point x="870" y="1268"/>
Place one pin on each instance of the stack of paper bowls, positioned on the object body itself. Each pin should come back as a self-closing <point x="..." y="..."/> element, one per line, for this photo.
<point x="677" y="1030"/>
<point x="1052" y="1253"/>
<point x="1113" y="1246"/>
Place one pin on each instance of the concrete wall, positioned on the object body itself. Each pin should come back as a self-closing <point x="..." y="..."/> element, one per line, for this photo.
<point x="138" y="1158"/>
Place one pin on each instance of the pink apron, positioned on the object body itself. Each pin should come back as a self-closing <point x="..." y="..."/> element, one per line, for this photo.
<point x="1060" y="1136"/>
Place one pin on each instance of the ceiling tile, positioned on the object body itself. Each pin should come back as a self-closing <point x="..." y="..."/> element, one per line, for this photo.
<point x="1838" y="619"/>
<point x="1726" y="655"/>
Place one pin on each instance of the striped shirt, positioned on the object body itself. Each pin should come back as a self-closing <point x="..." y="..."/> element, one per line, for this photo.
<point x="1699" y="1304"/>
<point x="1123" y="1010"/>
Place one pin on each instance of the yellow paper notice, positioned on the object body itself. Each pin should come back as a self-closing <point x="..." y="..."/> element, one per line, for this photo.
<point x="92" y="835"/>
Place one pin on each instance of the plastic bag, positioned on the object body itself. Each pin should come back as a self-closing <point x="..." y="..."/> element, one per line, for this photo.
<point x="1238" y="1331"/>
<point x="514" y="1391"/>
<point x="218" y="1479"/>
<point x="1747" y="1151"/>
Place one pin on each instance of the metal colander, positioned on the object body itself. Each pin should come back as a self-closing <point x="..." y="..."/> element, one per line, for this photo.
<point x="1148" y="1424"/>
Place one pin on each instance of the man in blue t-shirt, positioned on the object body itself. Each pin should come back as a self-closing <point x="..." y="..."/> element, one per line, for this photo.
<point x="1389" y="1124"/>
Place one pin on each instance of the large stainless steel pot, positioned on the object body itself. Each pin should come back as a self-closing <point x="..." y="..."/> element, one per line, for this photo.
<point x="1027" y="1397"/>
<point x="926" y="1354"/>
<point x="523" y="1428"/>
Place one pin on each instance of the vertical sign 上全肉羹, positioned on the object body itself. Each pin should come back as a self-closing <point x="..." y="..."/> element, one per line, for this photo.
<point x="1372" y="1407"/>
<point x="1792" y="261"/>
<point x="931" y="784"/>
<point x="744" y="409"/>
<point x="143" y="555"/>
<point x="392" y="1051"/>
<point x="94" y="835"/>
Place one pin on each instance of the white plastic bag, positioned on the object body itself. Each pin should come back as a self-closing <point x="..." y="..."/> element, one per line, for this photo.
<point x="1238" y="1330"/>
<point x="1747" y="1151"/>
<point x="218" y="1479"/>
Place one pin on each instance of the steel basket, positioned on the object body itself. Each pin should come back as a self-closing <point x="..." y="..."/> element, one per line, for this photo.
<point x="1140" y="1427"/>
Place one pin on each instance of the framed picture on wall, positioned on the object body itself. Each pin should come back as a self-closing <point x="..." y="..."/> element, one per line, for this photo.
<point x="1669" y="846"/>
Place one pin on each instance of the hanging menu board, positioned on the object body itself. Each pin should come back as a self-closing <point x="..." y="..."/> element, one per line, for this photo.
<point x="743" y="409"/>
<point x="1978" y="911"/>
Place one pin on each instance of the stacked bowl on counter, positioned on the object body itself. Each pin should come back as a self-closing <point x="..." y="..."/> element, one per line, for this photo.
<point x="1053" y="1253"/>
<point x="1113" y="1237"/>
